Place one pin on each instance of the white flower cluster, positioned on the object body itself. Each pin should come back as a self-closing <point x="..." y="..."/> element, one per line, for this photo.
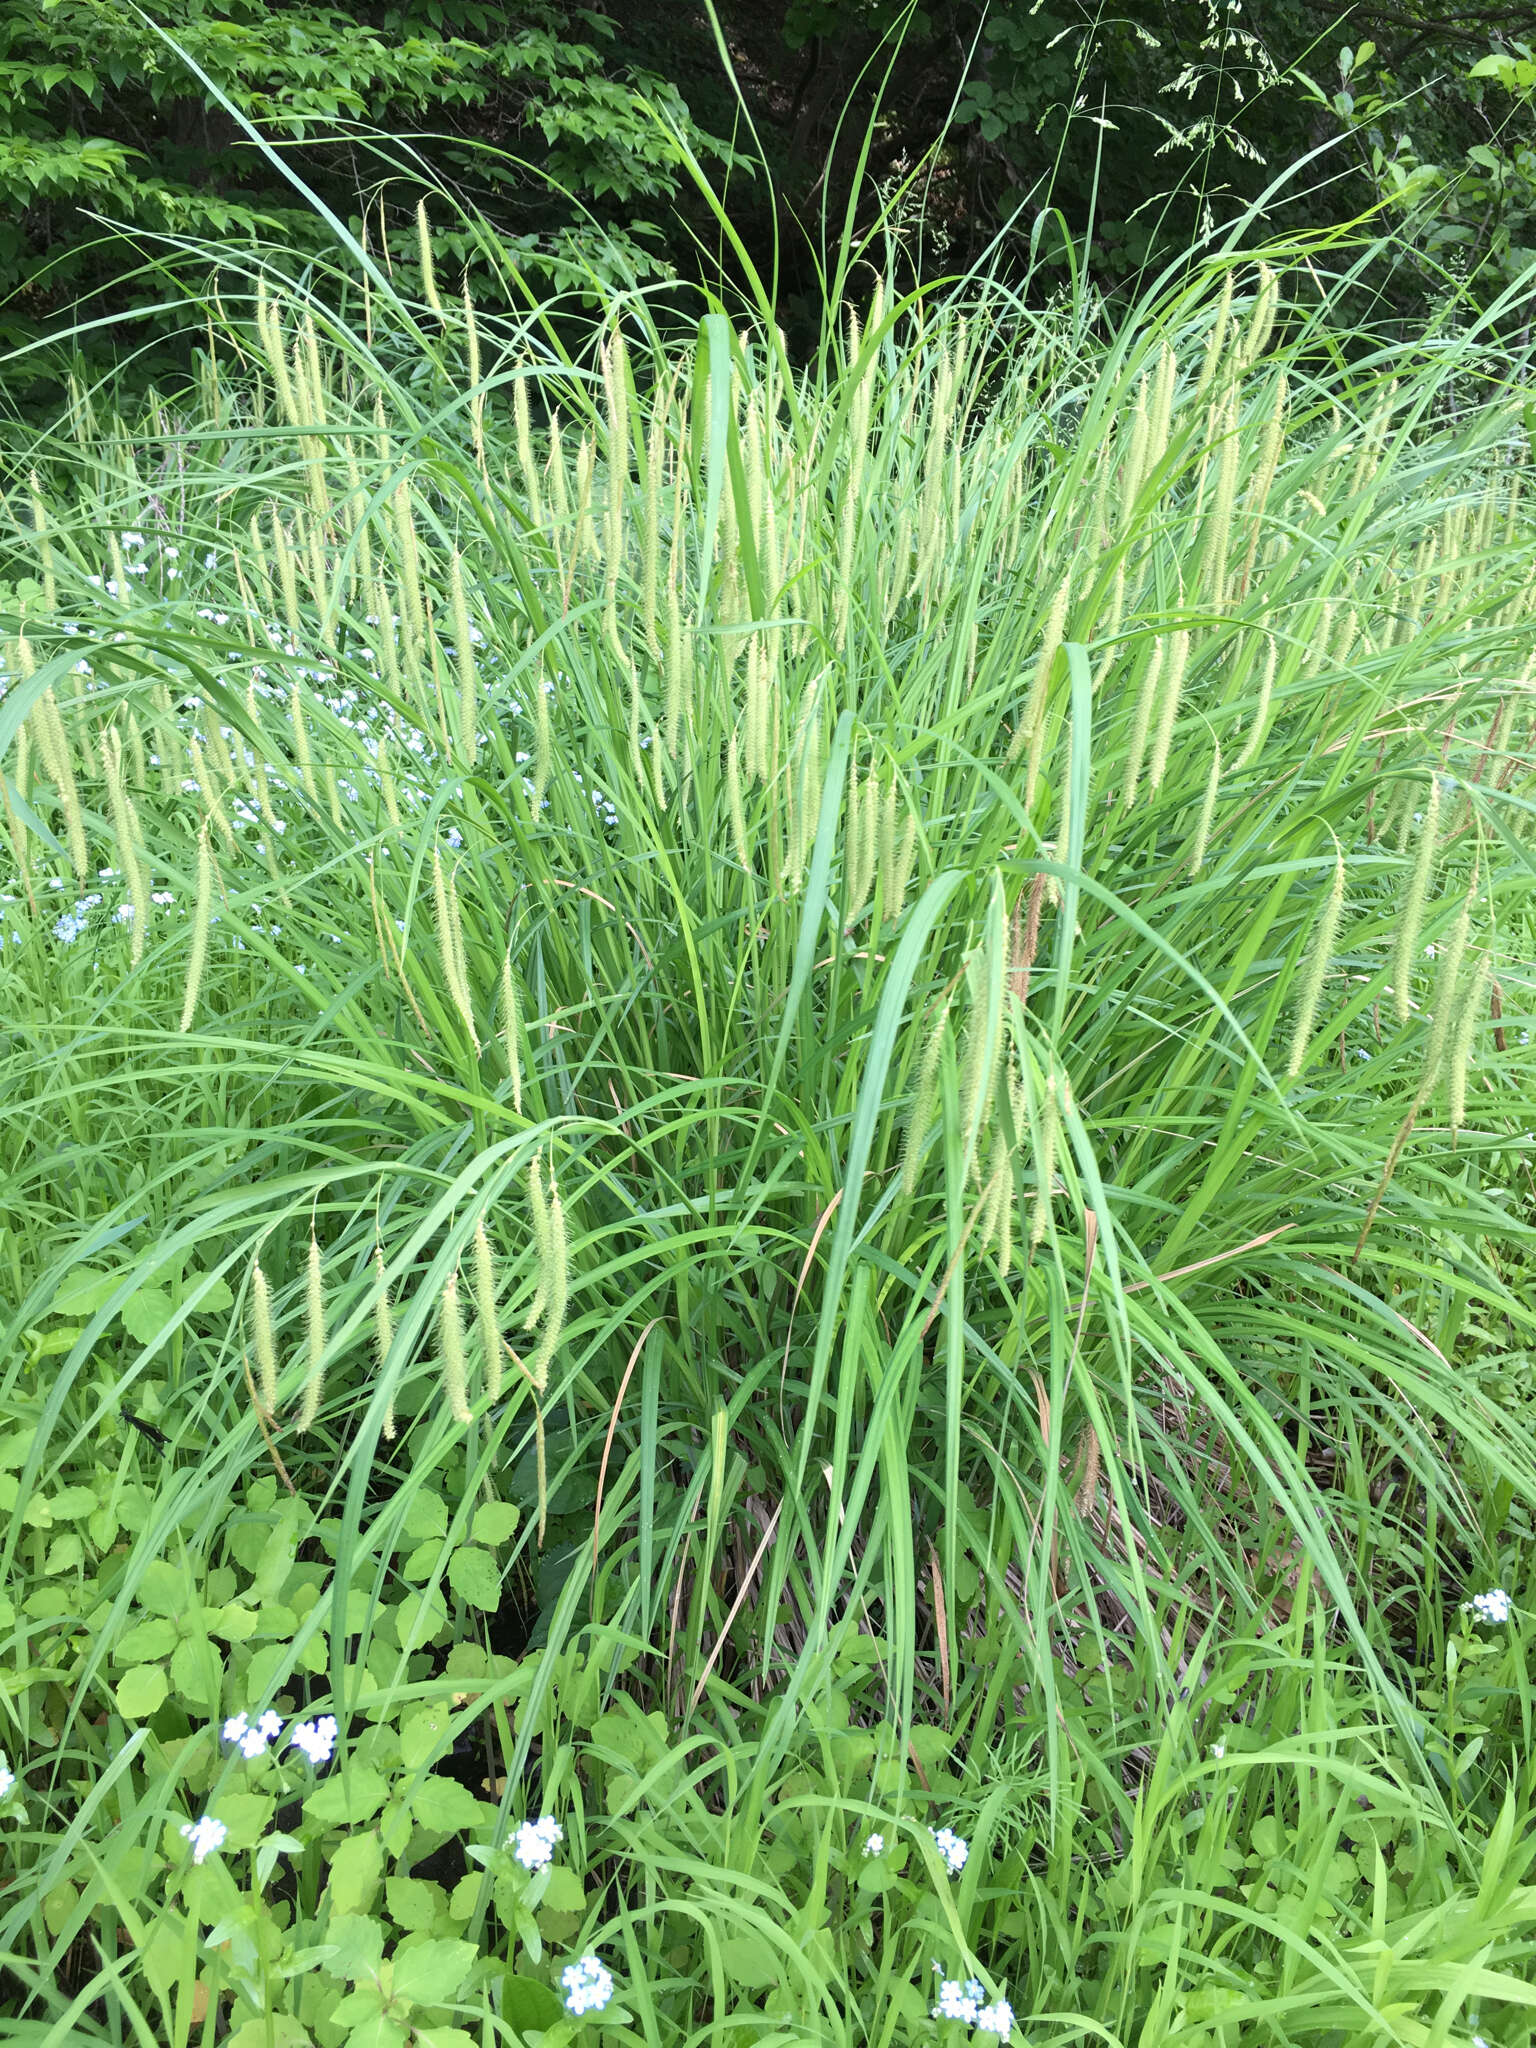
<point x="317" y="1739"/>
<point x="205" y="1835"/>
<point x="1493" y="1606"/>
<point x="251" y="1741"/>
<point x="952" y="1847"/>
<point x="534" y="1843"/>
<point x="588" y="1986"/>
<point x="874" y="1845"/>
<point x="7" y="1778"/>
<point x="965" y="2000"/>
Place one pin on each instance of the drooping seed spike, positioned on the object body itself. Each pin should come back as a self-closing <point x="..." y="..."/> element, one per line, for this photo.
<point x="487" y="1314"/>
<point x="314" y="1332"/>
<point x="1315" y="973"/>
<point x="383" y="1333"/>
<point x="1411" y="918"/>
<point x="202" y="918"/>
<point x="265" y="1338"/>
<point x="451" y="1349"/>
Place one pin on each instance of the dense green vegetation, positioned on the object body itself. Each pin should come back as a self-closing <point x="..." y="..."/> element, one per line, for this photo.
<point x="566" y="126"/>
<point x="784" y="1109"/>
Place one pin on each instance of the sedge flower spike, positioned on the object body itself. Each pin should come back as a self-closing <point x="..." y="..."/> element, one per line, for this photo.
<point x="205" y="1835"/>
<point x="588" y="1986"/>
<point x="535" y="1841"/>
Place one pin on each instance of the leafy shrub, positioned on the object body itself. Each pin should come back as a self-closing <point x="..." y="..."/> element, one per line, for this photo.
<point x="156" y="125"/>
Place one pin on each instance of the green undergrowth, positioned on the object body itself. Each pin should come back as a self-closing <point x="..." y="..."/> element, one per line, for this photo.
<point x="772" y="1107"/>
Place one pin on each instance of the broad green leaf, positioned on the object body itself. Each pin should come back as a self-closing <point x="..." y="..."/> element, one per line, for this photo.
<point x="354" y="1872"/>
<point x="475" y="1577"/>
<point x="424" y="1734"/>
<point x="426" y="1515"/>
<point x="529" y="2006"/>
<point x="563" y="1891"/>
<point x="170" y="1956"/>
<point x="446" y="1806"/>
<point x="84" y="1291"/>
<point x="413" y="1903"/>
<point x="247" y="1815"/>
<point x="70" y="1503"/>
<point x="379" y="2031"/>
<point x="419" y="1618"/>
<point x="359" y="1943"/>
<point x="216" y="1296"/>
<point x="141" y="1692"/>
<point x="164" y="1589"/>
<point x="352" y="1794"/>
<point x="495" y="1522"/>
<point x="197" y="1672"/>
<point x="433" y="1972"/>
<point x="146" y="1313"/>
<point x="271" y="2030"/>
<point x="750" y="1961"/>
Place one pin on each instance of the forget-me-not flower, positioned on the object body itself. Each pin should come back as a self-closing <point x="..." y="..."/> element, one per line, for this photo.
<point x="588" y="1986"/>
<point x="317" y="1739"/>
<point x="534" y="1843"/>
<point x="951" y="1847"/>
<point x="205" y="1835"/>
<point x="1492" y="1606"/>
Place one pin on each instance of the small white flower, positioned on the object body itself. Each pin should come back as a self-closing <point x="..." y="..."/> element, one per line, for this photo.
<point x="534" y="1844"/>
<point x="1218" y="1750"/>
<point x="951" y="1847"/>
<point x="205" y="1835"/>
<point x="252" y="1741"/>
<point x="317" y="1739"/>
<point x="959" y="2001"/>
<point x="1492" y="1606"/>
<point x="7" y="1778"/>
<point x="875" y="1846"/>
<point x="588" y="1986"/>
<point x="996" y="2019"/>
